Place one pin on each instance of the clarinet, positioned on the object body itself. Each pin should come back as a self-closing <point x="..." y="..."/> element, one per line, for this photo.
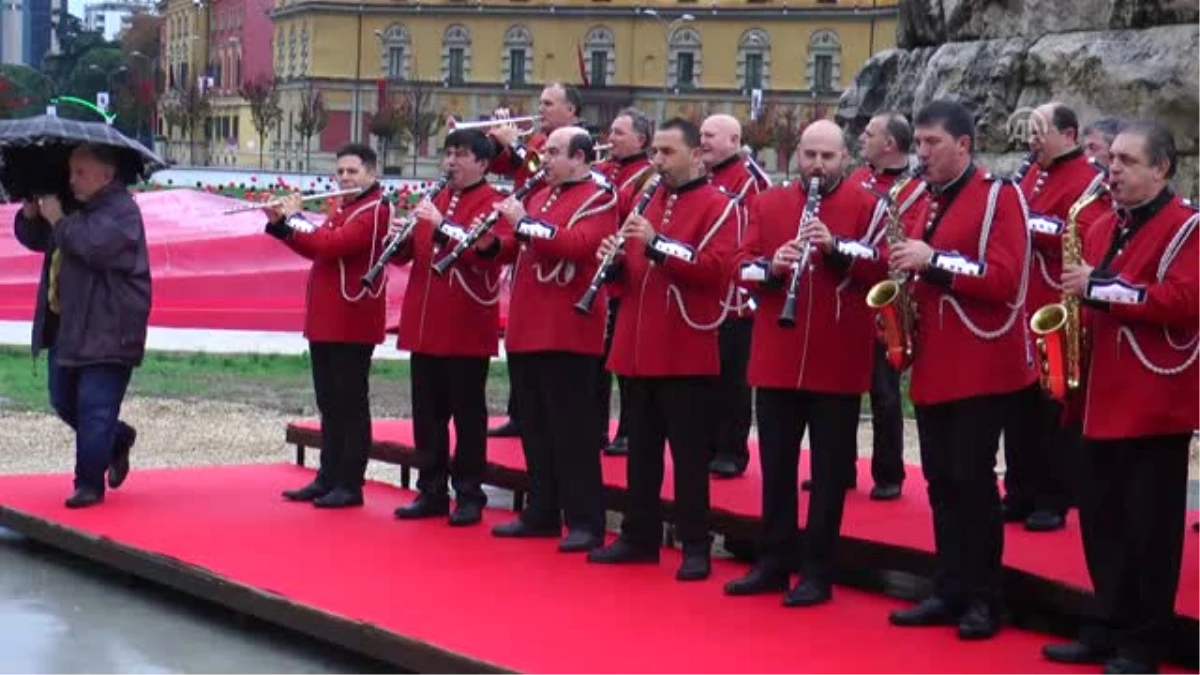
<point x="441" y="266"/>
<point x="787" y="317"/>
<point x="406" y="228"/>
<point x="584" y="306"/>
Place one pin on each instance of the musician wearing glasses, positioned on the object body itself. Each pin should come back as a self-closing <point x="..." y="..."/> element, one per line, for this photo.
<point x="809" y="375"/>
<point x="551" y="348"/>
<point x="672" y="276"/>
<point x="968" y="246"/>
<point x="448" y="322"/>
<point x="343" y="321"/>
<point x="1140" y="287"/>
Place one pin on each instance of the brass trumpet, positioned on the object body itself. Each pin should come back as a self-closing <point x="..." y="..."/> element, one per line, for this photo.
<point x="278" y="201"/>
<point x="454" y="125"/>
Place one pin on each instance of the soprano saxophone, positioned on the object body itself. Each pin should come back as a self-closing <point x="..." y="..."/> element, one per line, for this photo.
<point x="895" y="308"/>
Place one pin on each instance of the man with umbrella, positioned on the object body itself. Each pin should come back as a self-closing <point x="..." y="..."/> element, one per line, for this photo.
<point x="93" y="309"/>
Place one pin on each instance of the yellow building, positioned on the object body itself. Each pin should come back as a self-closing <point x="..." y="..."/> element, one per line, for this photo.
<point x="667" y="58"/>
<point x="183" y="53"/>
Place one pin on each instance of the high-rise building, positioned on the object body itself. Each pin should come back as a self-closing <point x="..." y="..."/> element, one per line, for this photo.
<point x="26" y="28"/>
<point x="110" y="17"/>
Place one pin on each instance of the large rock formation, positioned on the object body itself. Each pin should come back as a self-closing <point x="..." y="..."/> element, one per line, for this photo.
<point x="1119" y="58"/>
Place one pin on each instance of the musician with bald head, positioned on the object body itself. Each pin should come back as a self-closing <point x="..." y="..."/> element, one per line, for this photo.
<point x="811" y="376"/>
<point x="552" y="349"/>
<point x="720" y="146"/>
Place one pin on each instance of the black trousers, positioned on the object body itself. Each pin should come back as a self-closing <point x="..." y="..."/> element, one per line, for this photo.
<point x="832" y="420"/>
<point x="679" y="412"/>
<point x="446" y="388"/>
<point x="341" y="378"/>
<point x="555" y="393"/>
<point x="1037" y="450"/>
<point x="1132" y="499"/>
<point x="959" y="440"/>
<point x="604" y="381"/>
<point x="887" y="422"/>
<point x="733" y="393"/>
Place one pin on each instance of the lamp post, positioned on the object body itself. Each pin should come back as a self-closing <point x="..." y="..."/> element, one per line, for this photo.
<point x="108" y="79"/>
<point x="668" y="28"/>
<point x="153" y="64"/>
<point x="358" y="40"/>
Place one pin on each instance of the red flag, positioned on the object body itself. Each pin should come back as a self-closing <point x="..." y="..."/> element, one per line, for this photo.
<point x="582" y="65"/>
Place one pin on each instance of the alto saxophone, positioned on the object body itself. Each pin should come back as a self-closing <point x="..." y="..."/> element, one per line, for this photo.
<point x="1059" y="336"/>
<point x="895" y="308"/>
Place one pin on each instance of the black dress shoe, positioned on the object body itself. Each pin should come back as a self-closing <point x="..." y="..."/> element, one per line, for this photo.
<point x="424" y="506"/>
<point x="84" y="497"/>
<point x="622" y="551"/>
<point x="885" y="492"/>
<point x="118" y="470"/>
<point x="980" y="622"/>
<point x="307" y="493"/>
<point x="725" y="467"/>
<point x="932" y="611"/>
<point x="808" y="593"/>
<point x="579" y="541"/>
<point x="762" y="578"/>
<point x="338" y="498"/>
<point x="1122" y="664"/>
<point x="509" y="429"/>
<point x="619" y="446"/>
<point x="1045" y="520"/>
<point x="466" y="513"/>
<point x="696" y="566"/>
<point x="518" y="529"/>
<point x="1076" y="652"/>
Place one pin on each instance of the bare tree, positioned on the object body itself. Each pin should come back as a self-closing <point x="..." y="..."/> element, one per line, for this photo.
<point x="417" y="120"/>
<point x="189" y="109"/>
<point x="385" y="126"/>
<point x="262" y="93"/>
<point x="787" y="126"/>
<point x="312" y="120"/>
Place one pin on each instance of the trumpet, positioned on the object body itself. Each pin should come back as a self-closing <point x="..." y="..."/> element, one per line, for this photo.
<point x="402" y="234"/>
<point x="279" y="201"/>
<point x="753" y="167"/>
<point x="584" y="306"/>
<point x="787" y="316"/>
<point x="602" y="148"/>
<point x="441" y="266"/>
<point x="454" y="125"/>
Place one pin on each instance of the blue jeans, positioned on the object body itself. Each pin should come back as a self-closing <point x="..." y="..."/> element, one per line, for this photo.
<point x="88" y="399"/>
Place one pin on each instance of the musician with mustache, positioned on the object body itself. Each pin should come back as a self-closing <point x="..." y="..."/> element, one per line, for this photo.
<point x="812" y="375"/>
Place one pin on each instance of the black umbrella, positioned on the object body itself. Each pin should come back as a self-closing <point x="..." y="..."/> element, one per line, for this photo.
<point x="34" y="152"/>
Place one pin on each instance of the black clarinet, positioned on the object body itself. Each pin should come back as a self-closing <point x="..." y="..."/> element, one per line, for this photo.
<point x="402" y="235"/>
<point x="441" y="266"/>
<point x="584" y="306"/>
<point x="787" y="317"/>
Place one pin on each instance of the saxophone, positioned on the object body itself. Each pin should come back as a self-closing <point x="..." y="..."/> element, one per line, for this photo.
<point x="895" y="308"/>
<point x="1059" y="335"/>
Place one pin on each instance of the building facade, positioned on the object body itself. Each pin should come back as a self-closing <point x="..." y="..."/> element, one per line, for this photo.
<point x="26" y="30"/>
<point x="111" y="17"/>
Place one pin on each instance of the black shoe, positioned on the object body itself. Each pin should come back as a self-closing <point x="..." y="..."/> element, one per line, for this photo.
<point x="518" y="529"/>
<point x="885" y="492"/>
<point x="507" y="430"/>
<point x="762" y="578"/>
<point x="338" y="498"/>
<point x="466" y="513"/>
<point x="808" y="593"/>
<point x="579" y="541"/>
<point x="1122" y="664"/>
<point x="980" y="622"/>
<point x="696" y="566"/>
<point x="726" y="467"/>
<point x="424" y="506"/>
<point x="118" y="470"/>
<point x="932" y="611"/>
<point x="1045" y="520"/>
<point x="619" y="446"/>
<point x="622" y="551"/>
<point x="307" y="493"/>
<point x="84" y="497"/>
<point x="1076" y="652"/>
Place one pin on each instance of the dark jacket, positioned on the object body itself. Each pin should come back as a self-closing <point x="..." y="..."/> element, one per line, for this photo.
<point x="36" y="235"/>
<point x="104" y="282"/>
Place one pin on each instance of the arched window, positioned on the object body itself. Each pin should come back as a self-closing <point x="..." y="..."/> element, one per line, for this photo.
<point x="395" y="58"/>
<point x="754" y="60"/>
<point x="516" y="62"/>
<point x="600" y="52"/>
<point x="824" y="69"/>
<point x="684" y="65"/>
<point x="456" y="55"/>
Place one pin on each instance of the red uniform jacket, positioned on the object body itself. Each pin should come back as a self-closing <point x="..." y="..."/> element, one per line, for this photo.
<point x="343" y="248"/>
<point x="674" y="289"/>
<point x="506" y="163"/>
<point x="626" y="175"/>
<point x="830" y="348"/>
<point x="1141" y="376"/>
<point x="554" y="258"/>
<point x="972" y="336"/>
<point x="881" y="181"/>
<point x="1050" y="193"/>
<point x="734" y="177"/>
<point x="455" y="314"/>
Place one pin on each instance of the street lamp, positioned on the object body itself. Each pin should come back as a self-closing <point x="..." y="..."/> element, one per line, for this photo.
<point x="153" y="64"/>
<point x="108" y="78"/>
<point x="668" y="28"/>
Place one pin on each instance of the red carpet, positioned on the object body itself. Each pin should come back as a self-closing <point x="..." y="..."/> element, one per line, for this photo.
<point x="905" y="522"/>
<point x="518" y="604"/>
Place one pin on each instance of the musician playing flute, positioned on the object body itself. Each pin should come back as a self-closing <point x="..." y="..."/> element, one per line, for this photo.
<point x="968" y="246"/>
<point x="673" y="279"/>
<point x="552" y="348"/>
<point x="810" y="376"/>
<point x="448" y="322"/>
<point x="342" y="321"/>
<point x="1140" y="287"/>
